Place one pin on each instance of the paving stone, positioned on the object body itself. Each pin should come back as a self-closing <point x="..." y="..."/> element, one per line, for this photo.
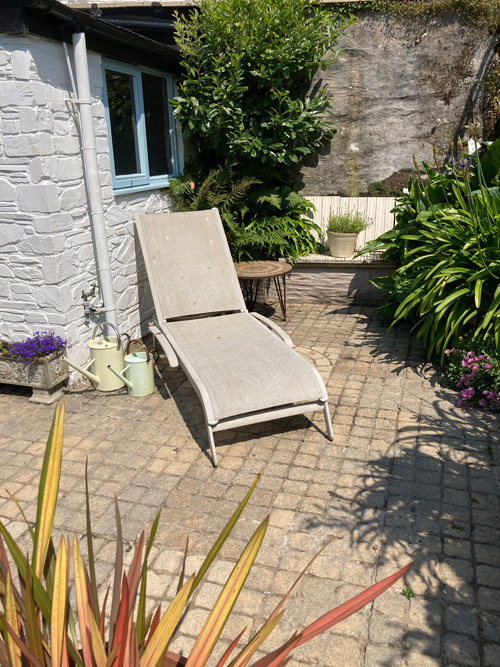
<point x="488" y="576"/>
<point x="461" y="649"/>
<point x="491" y="627"/>
<point x="461" y="620"/>
<point x="381" y="656"/>
<point x="342" y="651"/>
<point x="385" y="630"/>
<point x="490" y="655"/>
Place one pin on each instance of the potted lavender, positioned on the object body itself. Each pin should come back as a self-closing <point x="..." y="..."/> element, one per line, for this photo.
<point x="35" y="362"/>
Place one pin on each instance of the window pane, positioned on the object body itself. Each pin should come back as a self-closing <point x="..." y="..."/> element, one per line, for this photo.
<point x="154" y="90"/>
<point x="123" y="122"/>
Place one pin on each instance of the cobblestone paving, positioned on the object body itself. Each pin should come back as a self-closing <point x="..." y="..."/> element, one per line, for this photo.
<point x="409" y="476"/>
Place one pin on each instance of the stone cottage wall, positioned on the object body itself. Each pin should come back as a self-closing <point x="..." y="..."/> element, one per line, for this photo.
<point x="46" y="246"/>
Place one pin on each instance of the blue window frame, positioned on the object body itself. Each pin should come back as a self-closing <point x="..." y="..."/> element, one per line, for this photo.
<point x="141" y="129"/>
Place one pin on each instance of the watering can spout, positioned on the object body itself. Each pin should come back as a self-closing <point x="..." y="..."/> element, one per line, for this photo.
<point x="83" y="369"/>
<point x="121" y="376"/>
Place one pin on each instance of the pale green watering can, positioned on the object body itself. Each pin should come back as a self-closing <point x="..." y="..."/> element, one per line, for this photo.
<point x="139" y="370"/>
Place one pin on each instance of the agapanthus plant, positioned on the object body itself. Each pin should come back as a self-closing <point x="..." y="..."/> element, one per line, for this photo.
<point x="474" y="370"/>
<point x="41" y="344"/>
<point x="445" y="249"/>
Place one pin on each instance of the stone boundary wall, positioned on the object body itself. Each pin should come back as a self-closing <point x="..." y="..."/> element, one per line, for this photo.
<point x="399" y="85"/>
<point x="46" y="246"/>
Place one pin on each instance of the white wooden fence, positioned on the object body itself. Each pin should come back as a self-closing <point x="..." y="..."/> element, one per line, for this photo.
<point x="377" y="209"/>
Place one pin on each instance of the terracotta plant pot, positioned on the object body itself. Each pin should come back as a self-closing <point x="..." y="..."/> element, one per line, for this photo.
<point x="46" y="376"/>
<point x="342" y="245"/>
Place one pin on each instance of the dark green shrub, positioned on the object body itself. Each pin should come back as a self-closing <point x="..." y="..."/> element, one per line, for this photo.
<point x="446" y="251"/>
<point x="244" y="105"/>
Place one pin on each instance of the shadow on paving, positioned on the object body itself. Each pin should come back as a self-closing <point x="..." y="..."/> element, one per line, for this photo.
<point x="435" y="503"/>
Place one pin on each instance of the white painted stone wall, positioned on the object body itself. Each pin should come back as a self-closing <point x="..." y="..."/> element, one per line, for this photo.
<point x="46" y="247"/>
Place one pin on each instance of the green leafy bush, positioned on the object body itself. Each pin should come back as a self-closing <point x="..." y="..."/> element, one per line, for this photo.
<point x="446" y="251"/>
<point x="347" y="223"/>
<point x="39" y="627"/>
<point x="247" y="68"/>
<point x="244" y="105"/>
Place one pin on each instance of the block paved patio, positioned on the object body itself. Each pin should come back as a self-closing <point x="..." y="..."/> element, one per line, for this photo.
<point x="408" y="477"/>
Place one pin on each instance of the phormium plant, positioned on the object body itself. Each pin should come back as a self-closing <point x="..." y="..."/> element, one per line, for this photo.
<point x="244" y="104"/>
<point x="38" y="625"/>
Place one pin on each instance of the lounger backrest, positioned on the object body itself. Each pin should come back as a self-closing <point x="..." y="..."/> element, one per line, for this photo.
<point x="189" y="265"/>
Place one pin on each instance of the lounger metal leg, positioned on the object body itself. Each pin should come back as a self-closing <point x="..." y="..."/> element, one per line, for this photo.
<point x="328" y="421"/>
<point x="211" y="442"/>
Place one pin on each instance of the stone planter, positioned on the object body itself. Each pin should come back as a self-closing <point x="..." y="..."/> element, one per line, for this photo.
<point x="341" y="245"/>
<point x="46" y="376"/>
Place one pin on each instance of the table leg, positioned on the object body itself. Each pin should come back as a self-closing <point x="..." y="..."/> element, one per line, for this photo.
<point x="250" y="292"/>
<point x="281" y="295"/>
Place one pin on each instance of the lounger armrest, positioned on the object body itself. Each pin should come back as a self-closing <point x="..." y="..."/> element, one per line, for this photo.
<point x="274" y="327"/>
<point x="158" y="335"/>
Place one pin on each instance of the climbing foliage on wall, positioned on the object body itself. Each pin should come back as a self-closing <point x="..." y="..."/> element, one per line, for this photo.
<point x="484" y="14"/>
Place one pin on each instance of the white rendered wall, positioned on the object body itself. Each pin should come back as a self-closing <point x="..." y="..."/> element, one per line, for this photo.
<point x="46" y="247"/>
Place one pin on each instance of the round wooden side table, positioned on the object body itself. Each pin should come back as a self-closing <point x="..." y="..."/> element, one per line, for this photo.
<point x="250" y="275"/>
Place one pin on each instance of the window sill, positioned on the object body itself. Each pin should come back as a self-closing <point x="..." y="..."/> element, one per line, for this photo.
<point x="140" y="188"/>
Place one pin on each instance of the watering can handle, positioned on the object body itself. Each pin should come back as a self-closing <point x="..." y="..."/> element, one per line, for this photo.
<point x="118" y="338"/>
<point x="149" y="355"/>
<point x="137" y="340"/>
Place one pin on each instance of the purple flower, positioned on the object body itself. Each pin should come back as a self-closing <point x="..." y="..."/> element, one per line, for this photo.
<point x="460" y="402"/>
<point x="487" y="367"/>
<point x="482" y="402"/>
<point x="465" y="164"/>
<point x="41" y="344"/>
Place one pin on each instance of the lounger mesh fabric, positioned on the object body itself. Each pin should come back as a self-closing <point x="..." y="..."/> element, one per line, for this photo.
<point x="244" y="367"/>
<point x="192" y="272"/>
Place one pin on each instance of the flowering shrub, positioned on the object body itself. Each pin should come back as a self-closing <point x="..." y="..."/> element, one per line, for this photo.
<point x="41" y="344"/>
<point x="474" y="369"/>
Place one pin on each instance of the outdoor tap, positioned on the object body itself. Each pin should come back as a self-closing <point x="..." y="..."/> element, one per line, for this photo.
<point x="87" y="306"/>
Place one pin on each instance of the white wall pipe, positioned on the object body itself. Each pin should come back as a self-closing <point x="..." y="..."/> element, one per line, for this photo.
<point x="92" y="178"/>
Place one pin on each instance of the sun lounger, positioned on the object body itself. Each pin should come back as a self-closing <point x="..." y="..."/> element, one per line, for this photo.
<point x="241" y="365"/>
